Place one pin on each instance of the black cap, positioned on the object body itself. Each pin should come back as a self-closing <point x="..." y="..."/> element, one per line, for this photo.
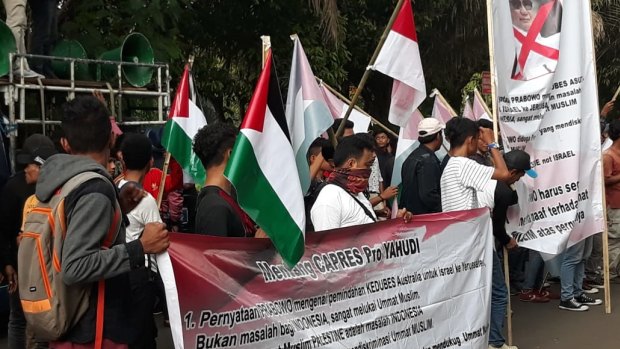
<point x="519" y="160"/>
<point x="37" y="148"/>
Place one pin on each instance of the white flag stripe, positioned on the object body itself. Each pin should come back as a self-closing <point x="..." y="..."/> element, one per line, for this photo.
<point x="193" y="123"/>
<point x="267" y="143"/>
<point x="400" y="59"/>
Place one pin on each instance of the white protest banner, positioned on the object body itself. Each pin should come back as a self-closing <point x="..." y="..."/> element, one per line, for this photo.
<point x="548" y="106"/>
<point x="425" y="284"/>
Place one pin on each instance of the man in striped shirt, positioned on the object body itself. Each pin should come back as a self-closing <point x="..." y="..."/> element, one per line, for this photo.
<point x="463" y="177"/>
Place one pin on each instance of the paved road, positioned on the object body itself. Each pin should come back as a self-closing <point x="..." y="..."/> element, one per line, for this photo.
<point x="536" y="326"/>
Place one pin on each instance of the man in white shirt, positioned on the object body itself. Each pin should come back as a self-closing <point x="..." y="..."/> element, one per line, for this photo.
<point x="341" y="202"/>
<point x="138" y="158"/>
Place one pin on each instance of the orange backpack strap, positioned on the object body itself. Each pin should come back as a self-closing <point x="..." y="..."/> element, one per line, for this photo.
<point x="107" y="243"/>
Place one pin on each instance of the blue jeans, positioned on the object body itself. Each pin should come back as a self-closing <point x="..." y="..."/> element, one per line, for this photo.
<point x="534" y="272"/>
<point x="499" y="302"/>
<point x="573" y="269"/>
<point x="17" y="323"/>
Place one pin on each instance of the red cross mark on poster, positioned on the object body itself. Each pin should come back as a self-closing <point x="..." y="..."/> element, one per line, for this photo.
<point x="529" y="42"/>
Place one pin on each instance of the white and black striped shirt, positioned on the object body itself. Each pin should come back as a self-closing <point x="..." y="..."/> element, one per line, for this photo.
<point x="460" y="181"/>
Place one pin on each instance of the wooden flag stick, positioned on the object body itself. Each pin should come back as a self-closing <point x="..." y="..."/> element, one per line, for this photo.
<point x="509" y="306"/>
<point x="362" y="83"/>
<point x="616" y="94"/>
<point x="496" y="134"/>
<point x="164" y="170"/>
<point x="346" y="100"/>
<point x="266" y="39"/>
<point x="607" y="296"/>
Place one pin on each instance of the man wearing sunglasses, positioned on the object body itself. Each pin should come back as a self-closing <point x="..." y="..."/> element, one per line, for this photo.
<point x="522" y="13"/>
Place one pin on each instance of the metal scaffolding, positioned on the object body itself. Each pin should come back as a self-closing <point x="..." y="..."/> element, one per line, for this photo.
<point x="15" y="89"/>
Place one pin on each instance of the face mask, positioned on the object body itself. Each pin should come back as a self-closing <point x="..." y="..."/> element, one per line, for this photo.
<point x="352" y="180"/>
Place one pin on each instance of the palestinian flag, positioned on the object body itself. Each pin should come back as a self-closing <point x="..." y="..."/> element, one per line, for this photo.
<point x="184" y="121"/>
<point x="307" y="113"/>
<point x="262" y="169"/>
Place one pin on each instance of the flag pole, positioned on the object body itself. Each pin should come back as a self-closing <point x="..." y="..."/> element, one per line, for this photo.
<point x="266" y="39"/>
<point x="164" y="170"/>
<point x="346" y="100"/>
<point x="362" y="83"/>
<point x="496" y="136"/>
<point x="605" y="238"/>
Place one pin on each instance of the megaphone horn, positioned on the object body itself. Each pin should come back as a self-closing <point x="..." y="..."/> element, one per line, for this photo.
<point x="71" y="49"/>
<point x="137" y="49"/>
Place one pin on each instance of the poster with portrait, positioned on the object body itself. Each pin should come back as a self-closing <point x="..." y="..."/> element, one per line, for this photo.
<point x="548" y="106"/>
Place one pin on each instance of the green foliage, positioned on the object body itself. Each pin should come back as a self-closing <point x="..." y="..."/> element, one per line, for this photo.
<point x="339" y="38"/>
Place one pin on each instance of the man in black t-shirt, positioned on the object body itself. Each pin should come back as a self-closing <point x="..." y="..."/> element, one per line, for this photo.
<point x="217" y="210"/>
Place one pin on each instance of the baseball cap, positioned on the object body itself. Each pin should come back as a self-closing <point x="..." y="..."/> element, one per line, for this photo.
<point x="519" y="160"/>
<point x="36" y="149"/>
<point x="429" y="126"/>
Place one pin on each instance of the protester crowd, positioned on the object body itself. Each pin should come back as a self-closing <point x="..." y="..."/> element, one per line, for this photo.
<point x="351" y="185"/>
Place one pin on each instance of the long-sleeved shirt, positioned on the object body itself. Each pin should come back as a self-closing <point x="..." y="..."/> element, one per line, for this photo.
<point x="12" y="199"/>
<point x="421" y="174"/>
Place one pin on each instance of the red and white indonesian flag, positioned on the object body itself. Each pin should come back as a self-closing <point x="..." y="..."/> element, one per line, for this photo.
<point x="184" y="121"/>
<point x="399" y="59"/>
<point x="338" y="108"/>
<point x="262" y="169"/>
<point x="307" y="114"/>
<point x="467" y="111"/>
<point x="481" y="111"/>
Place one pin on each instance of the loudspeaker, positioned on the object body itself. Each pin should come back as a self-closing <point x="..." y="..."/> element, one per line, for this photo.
<point x="7" y="45"/>
<point x="135" y="48"/>
<point x="71" y="49"/>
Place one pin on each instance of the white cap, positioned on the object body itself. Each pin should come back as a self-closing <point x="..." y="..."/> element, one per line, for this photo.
<point x="429" y="126"/>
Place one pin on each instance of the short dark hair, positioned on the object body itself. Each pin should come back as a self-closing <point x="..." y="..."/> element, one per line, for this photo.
<point x="316" y="147"/>
<point x="352" y="147"/>
<point x="212" y="141"/>
<point x="614" y="129"/>
<point x="86" y="125"/>
<point x="137" y="151"/>
<point x="458" y="129"/>
<point x="337" y="122"/>
<point x="485" y="123"/>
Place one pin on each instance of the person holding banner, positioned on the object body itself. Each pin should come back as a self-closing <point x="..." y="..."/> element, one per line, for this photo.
<point x="217" y="210"/>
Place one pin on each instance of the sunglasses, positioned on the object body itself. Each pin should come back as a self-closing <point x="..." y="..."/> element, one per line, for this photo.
<point x="516" y="4"/>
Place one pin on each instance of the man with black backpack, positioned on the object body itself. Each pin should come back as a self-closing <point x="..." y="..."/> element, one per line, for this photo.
<point x="89" y="257"/>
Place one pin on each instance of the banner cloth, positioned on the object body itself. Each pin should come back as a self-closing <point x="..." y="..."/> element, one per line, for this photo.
<point x="425" y="284"/>
<point x="548" y="106"/>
